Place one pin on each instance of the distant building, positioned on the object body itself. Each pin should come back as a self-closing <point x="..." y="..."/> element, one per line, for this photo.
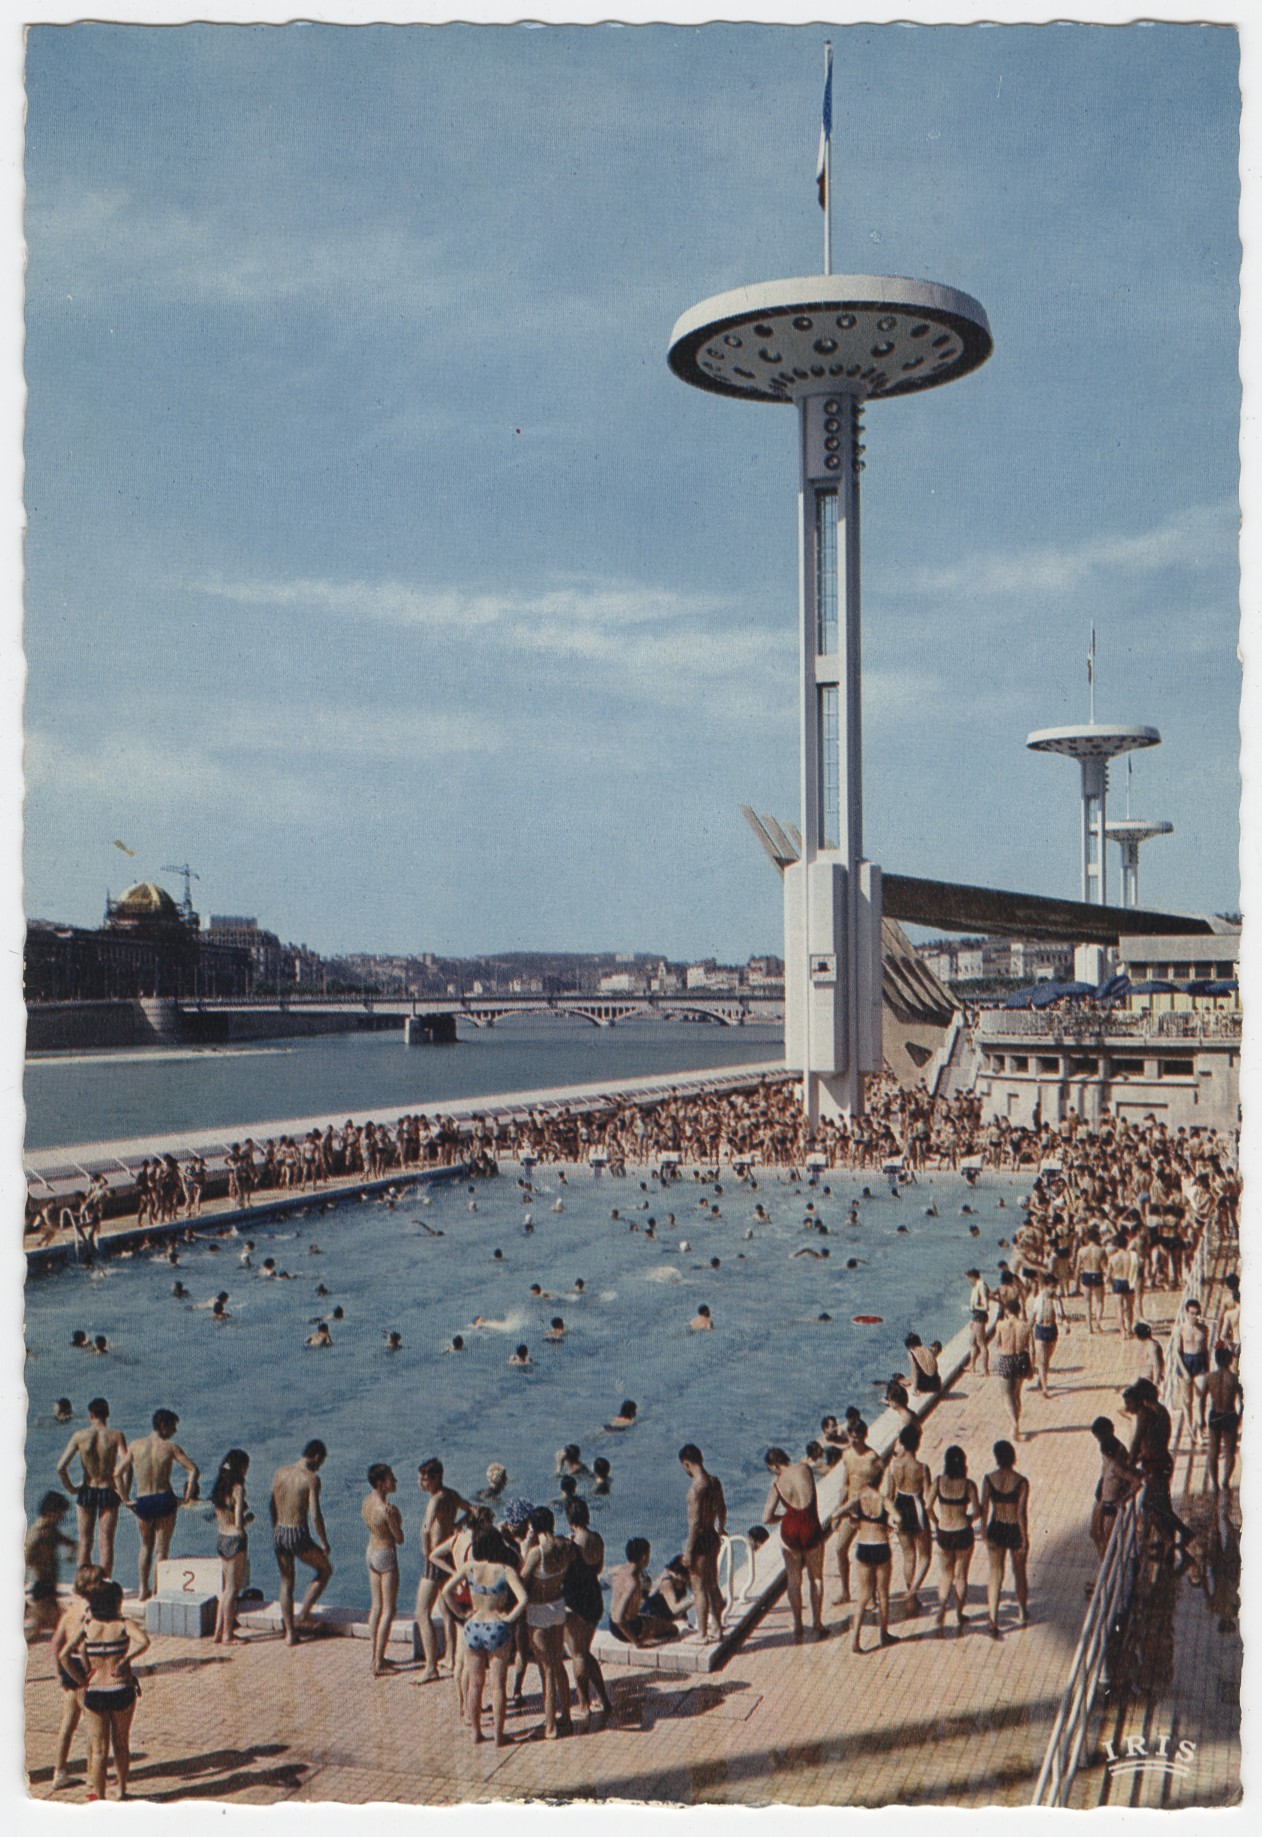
<point x="147" y="949"/>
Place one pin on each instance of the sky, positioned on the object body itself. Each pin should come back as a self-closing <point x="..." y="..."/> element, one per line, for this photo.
<point x="378" y="566"/>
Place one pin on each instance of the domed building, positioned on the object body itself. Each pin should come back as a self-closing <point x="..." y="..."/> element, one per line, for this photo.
<point x="146" y="907"/>
<point x="148" y="948"/>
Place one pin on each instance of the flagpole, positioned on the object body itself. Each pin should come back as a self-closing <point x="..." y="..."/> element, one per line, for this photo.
<point x="828" y="169"/>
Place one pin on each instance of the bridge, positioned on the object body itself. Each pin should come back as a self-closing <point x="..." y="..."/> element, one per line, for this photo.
<point x="437" y="1013"/>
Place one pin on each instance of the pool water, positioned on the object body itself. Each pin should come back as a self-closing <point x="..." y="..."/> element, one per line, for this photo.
<point x="766" y="1374"/>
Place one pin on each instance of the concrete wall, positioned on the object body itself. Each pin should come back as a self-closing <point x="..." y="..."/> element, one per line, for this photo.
<point x="90" y="1025"/>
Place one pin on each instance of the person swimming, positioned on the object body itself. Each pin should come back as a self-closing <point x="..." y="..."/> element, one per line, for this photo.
<point x="521" y="1357"/>
<point x="626" y="1417"/>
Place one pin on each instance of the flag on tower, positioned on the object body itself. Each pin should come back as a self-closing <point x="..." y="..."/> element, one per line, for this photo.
<point x="825" y="131"/>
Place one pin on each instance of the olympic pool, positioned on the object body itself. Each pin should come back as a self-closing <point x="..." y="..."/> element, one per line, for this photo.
<point x="766" y="1374"/>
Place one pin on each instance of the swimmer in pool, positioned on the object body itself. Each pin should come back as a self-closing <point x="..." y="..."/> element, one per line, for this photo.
<point x="179" y="1291"/>
<point x="521" y="1357"/>
<point x="701" y="1321"/>
<point x="457" y="1342"/>
<point x="394" y="1342"/>
<point x="320" y="1338"/>
<point x="626" y="1417"/>
<point x="556" y="1329"/>
<point x="63" y="1410"/>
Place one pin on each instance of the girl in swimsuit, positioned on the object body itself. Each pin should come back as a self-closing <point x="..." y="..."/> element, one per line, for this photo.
<point x="952" y="1506"/>
<point x="385" y="1534"/>
<point x="543" y="1571"/>
<point x="499" y="1601"/>
<point x="1006" y="1497"/>
<point x="792" y="1505"/>
<point x="227" y="1496"/>
<point x="872" y="1554"/>
<point x="925" y="1375"/>
<point x="87" y="1577"/>
<point x="906" y="1481"/>
<point x="108" y="1644"/>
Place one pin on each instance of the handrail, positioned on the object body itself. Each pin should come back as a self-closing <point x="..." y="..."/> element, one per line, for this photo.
<point x="1110" y="1598"/>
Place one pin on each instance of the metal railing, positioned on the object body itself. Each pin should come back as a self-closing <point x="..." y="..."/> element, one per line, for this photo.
<point x="1078" y="1027"/>
<point x="1110" y="1600"/>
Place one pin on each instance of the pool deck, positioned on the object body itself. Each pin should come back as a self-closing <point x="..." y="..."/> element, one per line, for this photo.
<point x="960" y="1720"/>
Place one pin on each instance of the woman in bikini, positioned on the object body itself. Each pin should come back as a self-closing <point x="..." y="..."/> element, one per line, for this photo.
<point x="871" y="1551"/>
<point x="498" y="1603"/>
<point x="108" y="1644"/>
<point x="227" y="1496"/>
<point x="543" y="1571"/>
<point x="385" y="1534"/>
<point x="1005" y="1505"/>
<point x="907" y="1480"/>
<point x="792" y="1505"/>
<point x="585" y="1608"/>
<point x="952" y="1507"/>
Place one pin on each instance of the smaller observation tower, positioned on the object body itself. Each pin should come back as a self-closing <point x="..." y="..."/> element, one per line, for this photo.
<point x="1128" y="832"/>
<point x="1093" y="743"/>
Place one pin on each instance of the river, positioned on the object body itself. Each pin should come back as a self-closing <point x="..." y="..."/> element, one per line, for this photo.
<point x="104" y="1096"/>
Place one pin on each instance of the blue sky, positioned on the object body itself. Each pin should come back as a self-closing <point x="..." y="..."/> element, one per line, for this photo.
<point x="378" y="566"/>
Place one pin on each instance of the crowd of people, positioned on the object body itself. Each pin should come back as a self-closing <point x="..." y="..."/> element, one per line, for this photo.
<point x="1114" y="1211"/>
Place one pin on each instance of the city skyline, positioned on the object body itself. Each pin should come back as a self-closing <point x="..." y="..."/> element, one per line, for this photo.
<point x="378" y="566"/>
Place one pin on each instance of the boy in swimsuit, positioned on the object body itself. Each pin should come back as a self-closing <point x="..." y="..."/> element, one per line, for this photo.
<point x="1150" y="1361"/>
<point x="443" y="1507"/>
<point x="101" y="1450"/>
<point x="707" y="1522"/>
<point x="44" y="1542"/>
<point x="150" y="1461"/>
<point x="1118" y="1480"/>
<point x="295" y="1496"/>
<point x="385" y="1534"/>
<point x="863" y="1467"/>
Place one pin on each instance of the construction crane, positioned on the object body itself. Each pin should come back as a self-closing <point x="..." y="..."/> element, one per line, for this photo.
<point x="189" y="875"/>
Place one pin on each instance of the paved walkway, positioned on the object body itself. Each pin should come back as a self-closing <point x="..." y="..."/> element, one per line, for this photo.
<point x="960" y="1720"/>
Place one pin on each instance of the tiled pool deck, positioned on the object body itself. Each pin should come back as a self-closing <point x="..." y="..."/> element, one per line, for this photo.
<point x="960" y="1720"/>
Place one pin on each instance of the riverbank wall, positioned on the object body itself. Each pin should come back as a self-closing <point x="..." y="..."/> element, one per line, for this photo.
<point x="89" y="1026"/>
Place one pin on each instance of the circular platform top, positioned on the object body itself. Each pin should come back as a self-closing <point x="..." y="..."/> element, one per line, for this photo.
<point x="872" y="335"/>
<point x="1135" y="829"/>
<point x="1092" y="740"/>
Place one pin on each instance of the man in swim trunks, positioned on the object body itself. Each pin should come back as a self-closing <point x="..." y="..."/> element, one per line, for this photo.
<point x="979" y="1314"/>
<point x="443" y="1507"/>
<point x="149" y="1461"/>
<point x="101" y="1450"/>
<point x="1092" y="1258"/>
<point x="1192" y="1349"/>
<point x="1224" y="1399"/>
<point x="707" y="1522"/>
<point x="630" y="1589"/>
<point x="295" y="1497"/>
<point x="1150" y="1361"/>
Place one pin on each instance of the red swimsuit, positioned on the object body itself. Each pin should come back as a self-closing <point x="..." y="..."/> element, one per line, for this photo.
<point x="800" y="1528"/>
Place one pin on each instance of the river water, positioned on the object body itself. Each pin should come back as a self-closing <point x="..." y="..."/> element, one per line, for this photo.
<point x="105" y="1096"/>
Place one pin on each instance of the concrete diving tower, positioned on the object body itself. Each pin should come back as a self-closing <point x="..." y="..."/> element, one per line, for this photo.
<point x="826" y="344"/>
<point x="1128" y="832"/>
<point x="1093" y="744"/>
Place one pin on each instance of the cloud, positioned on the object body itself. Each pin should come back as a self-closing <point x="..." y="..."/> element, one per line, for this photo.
<point x="1193" y="539"/>
<point x="84" y="241"/>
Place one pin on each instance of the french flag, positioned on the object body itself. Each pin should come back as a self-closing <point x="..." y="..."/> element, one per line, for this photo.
<point x="825" y="131"/>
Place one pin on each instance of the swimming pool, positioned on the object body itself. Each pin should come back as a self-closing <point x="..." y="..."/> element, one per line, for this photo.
<point x="766" y="1373"/>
